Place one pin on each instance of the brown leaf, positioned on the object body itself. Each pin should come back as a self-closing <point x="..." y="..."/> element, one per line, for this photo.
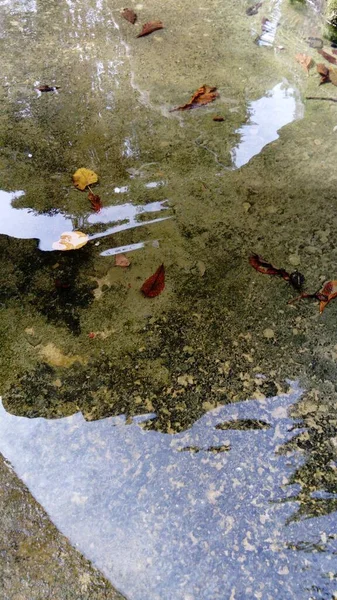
<point x="155" y="284"/>
<point x="121" y="261"/>
<point x="261" y="265"/>
<point x="218" y="119"/>
<point x="150" y="27"/>
<point x="95" y="201"/>
<point x="129" y="15"/>
<point x="323" y="70"/>
<point x="204" y="95"/>
<point x="253" y="10"/>
<point x="47" y="88"/>
<point x="304" y="60"/>
<point x="328" y="57"/>
<point x="333" y="76"/>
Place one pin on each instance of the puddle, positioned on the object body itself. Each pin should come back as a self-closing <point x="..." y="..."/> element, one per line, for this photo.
<point x="160" y="522"/>
<point x="266" y="117"/>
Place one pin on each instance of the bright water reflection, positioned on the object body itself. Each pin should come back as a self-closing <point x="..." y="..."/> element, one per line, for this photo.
<point x="170" y="517"/>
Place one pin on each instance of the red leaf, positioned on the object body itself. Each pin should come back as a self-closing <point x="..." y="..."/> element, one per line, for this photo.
<point x="324" y="295"/>
<point x="129" y="15"/>
<point x="328" y="57"/>
<point x="150" y="27"/>
<point x="261" y="265"/>
<point x="95" y="201"/>
<point x="155" y="284"/>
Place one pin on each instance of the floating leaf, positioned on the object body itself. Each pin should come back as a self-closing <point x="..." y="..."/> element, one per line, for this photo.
<point x="155" y="284"/>
<point x="328" y="57"/>
<point x="95" y="201"/>
<point x="47" y="88"/>
<point x="129" y="15"/>
<point x="253" y="10"/>
<point x="150" y="27"/>
<point x="204" y="95"/>
<point x="71" y="240"/>
<point x="304" y="60"/>
<point x="84" y="177"/>
<point x="324" y="295"/>
<point x="121" y="260"/>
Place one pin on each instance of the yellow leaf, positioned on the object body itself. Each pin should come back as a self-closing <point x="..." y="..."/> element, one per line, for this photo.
<point x="84" y="177"/>
<point x="71" y="240"/>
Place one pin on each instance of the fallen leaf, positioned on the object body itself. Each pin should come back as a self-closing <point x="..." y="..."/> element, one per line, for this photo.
<point x="315" y="42"/>
<point x="129" y="15"/>
<point x="150" y="27"/>
<point x="47" y="88"/>
<point x="95" y="201"/>
<point x="304" y="60"/>
<point x="121" y="261"/>
<point x="155" y="284"/>
<point x="71" y="240"/>
<point x="218" y="119"/>
<point x="253" y="10"/>
<point x="84" y="177"/>
<point x="324" y="295"/>
<point x="328" y="57"/>
<point x="333" y="76"/>
<point x="261" y="265"/>
<point x="204" y="95"/>
<point x="324" y="73"/>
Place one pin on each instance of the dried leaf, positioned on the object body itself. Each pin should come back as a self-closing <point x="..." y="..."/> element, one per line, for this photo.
<point x="84" y="177"/>
<point x="95" y="201"/>
<point x="261" y="265"/>
<point x="304" y="60"/>
<point x="155" y="284"/>
<point x="328" y="57"/>
<point x="47" y="88"/>
<point x="324" y="295"/>
<point x="253" y="10"/>
<point x="150" y="27"/>
<point x="129" y="15"/>
<point x="323" y="70"/>
<point x="204" y="95"/>
<point x="71" y="240"/>
<point x="218" y="119"/>
<point x="333" y="76"/>
<point x="121" y="261"/>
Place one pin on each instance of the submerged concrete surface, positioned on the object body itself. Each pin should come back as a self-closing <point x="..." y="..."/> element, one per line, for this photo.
<point x="36" y="561"/>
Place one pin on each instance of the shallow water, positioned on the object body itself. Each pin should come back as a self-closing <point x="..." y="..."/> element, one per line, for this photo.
<point x="103" y="387"/>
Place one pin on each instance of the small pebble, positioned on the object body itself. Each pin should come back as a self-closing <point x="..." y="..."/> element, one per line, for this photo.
<point x="246" y="206"/>
<point x="269" y="333"/>
<point x="294" y="260"/>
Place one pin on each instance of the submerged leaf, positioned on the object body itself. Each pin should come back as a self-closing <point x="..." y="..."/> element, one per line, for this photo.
<point x="261" y="265"/>
<point x="323" y="70"/>
<point x="333" y="76"/>
<point x="253" y="10"/>
<point x="47" y="88"/>
<point x="304" y="60"/>
<point x="95" y="201"/>
<point x="218" y="119"/>
<point x="204" y="95"/>
<point x="129" y="15"/>
<point x="121" y="260"/>
<point x="328" y="57"/>
<point x="155" y="284"/>
<point x="150" y="27"/>
<point x="84" y="177"/>
<point x="324" y="295"/>
<point x="71" y="240"/>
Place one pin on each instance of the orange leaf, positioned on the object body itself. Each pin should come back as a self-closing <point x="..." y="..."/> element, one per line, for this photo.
<point x="204" y="95"/>
<point x="155" y="284"/>
<point x="327" y="293"/>
<point x="121" y="261"/>
<point x="324" y="72"/>
<point x="95" y="201"/>
<point x="304" y="60"/>
<point x="150" y="27"/>
<point x="261" y="265"/>
<point x="129" y="15"/>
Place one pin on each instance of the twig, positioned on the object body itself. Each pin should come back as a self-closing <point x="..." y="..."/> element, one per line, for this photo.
<point x="321" y="98"/>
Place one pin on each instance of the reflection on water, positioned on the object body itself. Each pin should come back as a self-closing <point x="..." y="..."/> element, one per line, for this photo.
<point x="47" y="228"/>
<point x="162" y="523"/>
<point x="266" y="117"/>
